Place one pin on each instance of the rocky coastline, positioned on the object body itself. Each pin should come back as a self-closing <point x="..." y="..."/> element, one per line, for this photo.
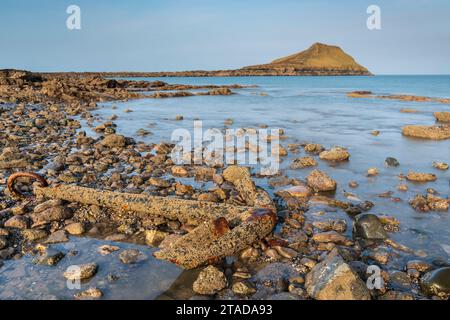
<point x="303" y="258"/>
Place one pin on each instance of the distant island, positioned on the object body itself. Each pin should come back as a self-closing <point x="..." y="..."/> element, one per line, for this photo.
<point x="318" y="60"/>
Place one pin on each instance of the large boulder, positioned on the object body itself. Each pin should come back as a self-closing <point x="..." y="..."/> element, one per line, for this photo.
<point x="436" y="282"/>
<point x="334" y="279"/>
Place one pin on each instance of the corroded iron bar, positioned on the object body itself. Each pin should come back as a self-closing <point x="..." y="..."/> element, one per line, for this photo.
<point x="258" y="224"/>
<point x="222" y="229"/>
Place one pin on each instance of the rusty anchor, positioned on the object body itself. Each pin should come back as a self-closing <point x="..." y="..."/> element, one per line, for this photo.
<point x="221" y="229"/>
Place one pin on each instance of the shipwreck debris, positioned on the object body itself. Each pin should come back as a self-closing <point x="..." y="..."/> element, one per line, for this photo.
<point x="221" y="229"/>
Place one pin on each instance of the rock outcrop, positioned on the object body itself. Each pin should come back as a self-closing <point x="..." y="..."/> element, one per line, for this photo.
<point x="318" y="60"/>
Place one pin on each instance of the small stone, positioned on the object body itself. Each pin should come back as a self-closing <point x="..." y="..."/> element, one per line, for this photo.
<point x="272" y="253"/>
<point x="320" y="181"/>
<point x="372" y="172"/>
<point x="17" y="222"/>
<point x="210" y="281"/>
<point x="303" y="162"/>
<point x="249" y="254"/>
<point x="436" y="282"/>
<point x="399" y="280"/>
<point x="179" y="118"/>
<point x="51" y="257"/>
<point x="161" y="183"/>
<point x="114" y="141"/>
<point x="207" y="197"/>
<point x="81" y="272"/>
<point x="287" y="253"/>
<point x="53" y="213"/>
<point x="107" y="249"/>
<point x="91" y="293"/>
<point x="154" y="237"/>
<point x="402" y="187"/>
<point x="440" y="165"/>
<point x="75" y="228"/>
<point x="442" y="116"/>
<point x="130" y="256"/>
<point x="280" y="181"/>
<point x="335" y="154"/>
<point x="293" y="223"/>
<point x="179" y="171"/>
<point x="375" y="132"/>
<point x="368" y="226"/>
<point x="378" y="254"/>
<point x="3" y="242"/>
<point x="331" y="236"/>
<point x="418" y="265"/>
<point x="297" y="191"/>
<point x="313" y="148"/>
<point x="243" y="288"/>
<point x="57" y="237"/>
<point x="396" y="295"/>
<point x="391" y="162"/>
<point x="34" y="234"/>
<point x="353" y="184"/>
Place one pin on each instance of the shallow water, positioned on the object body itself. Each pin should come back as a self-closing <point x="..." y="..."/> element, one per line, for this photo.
<point x="316" y="109"/>
<point x="309" y="109"/>
<point x="147" y="279"/>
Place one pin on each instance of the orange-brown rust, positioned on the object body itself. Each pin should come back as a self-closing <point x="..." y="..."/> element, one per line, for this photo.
<point x="263" y="213"/>
<point x="12" y="179"/>
<point x="221" y="226"/>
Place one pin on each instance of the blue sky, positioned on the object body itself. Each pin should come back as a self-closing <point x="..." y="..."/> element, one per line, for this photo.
<point x="166" y="35"/>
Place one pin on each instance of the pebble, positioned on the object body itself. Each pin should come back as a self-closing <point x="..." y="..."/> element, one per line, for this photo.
<point x="287" y="253"/>
<point x="419" y="265"/>
<point x="34" y="234"/>
<point x="130" y="256"/>
<point x="17" y="222"/>
<point x="320" y="181"/>
<point x="368" y="226"/>
<point x="243" y="288"/>
<point x="210" y="281"/>
<point x="154" y="237"/>
<point x="3" y="242"/>
<point x="75" y="228"/>
<point x="272" y="253"/>
<point x="440" y="165"/>
<point x="57" y="237"/>
<point x="303" y="162"/>
<point x="51" y="257"/>
<point x="81" y="272"/>
<point x="91" y="293"/>
<point x="107" y="249"/>
<point x="391" y="162"/>
<point x="353" y="184"/>
<point x="335" y="154"/>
